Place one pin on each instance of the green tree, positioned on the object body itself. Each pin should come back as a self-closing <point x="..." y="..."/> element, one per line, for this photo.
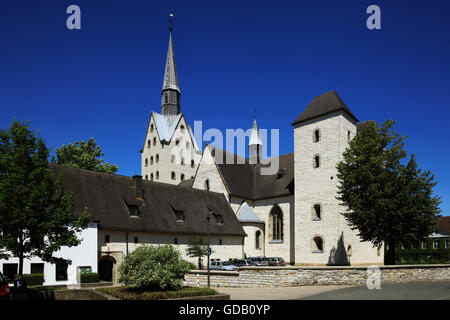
<point x="387" y="201"/>
<point x="35" y="214"/>
<point x="197" y="248"/>
<point x="83" y="155"/>
<point x="153" y="268"/>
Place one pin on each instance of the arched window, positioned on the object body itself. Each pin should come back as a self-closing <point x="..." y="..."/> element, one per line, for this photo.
<point x="157" y="175"/>
<point x="154" y="141"/>
<point x="173" y="175"/>
<point x="207" y="184"/>
<point x="182" y="128"/>
<point x="349" y="250"/>
<point x="317" y="245"/>
<point x="348" y="136"/>
<point x="151" y="127"/>
<point x="157" y="158"/>
<point x="151" y="160"/>
<point x="182" y="177"/>
<point x="149" y="143"/>
<point x="316" y="137"/>
<point x="276" y="221"/>
<point x="316" y="163"/>
<point x="151" y="176"/>
<point x="192" y="163"/>
<point x="146" y="177"/>
<point x="177" y="141"/>
<point x="258" y="240"/>
<point x="317" y="214"/>
<point x="166" y="97"/>
<point x="146" y="162"/>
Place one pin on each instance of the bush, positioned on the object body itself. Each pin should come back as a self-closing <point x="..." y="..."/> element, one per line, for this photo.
<point x="192" y="266"/>
<point x="35" y="279"/>
<point x="153" y="268"/>
<point x="89" y="277"/>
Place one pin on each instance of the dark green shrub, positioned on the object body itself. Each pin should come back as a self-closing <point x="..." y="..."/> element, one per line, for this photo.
<point x="35" y="279"/>
<point x="89" y="277"/>
<point x="153" y="268"/>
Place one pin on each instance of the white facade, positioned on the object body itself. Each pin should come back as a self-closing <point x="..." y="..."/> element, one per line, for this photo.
<point x="83" y="255"/>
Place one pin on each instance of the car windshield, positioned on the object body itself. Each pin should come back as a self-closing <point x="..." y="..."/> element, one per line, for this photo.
<point x="226" y="263"/>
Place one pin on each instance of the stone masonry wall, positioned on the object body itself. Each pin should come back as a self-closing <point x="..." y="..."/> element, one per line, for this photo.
<point x="259" y="277"/>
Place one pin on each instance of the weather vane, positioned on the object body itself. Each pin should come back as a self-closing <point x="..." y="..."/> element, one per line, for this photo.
<point x="170" y="21"/>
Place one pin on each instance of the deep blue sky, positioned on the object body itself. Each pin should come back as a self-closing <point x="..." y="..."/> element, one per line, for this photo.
<point x="232" y="57"/>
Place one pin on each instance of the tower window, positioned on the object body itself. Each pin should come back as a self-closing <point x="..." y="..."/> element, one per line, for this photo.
<point x="151" y="176"/>
<point x="152" y="127"/>
<point x="258" y="240"/>
<point x="317" y="212"/>
<point x="317" y="245"/>
<point x="166" y="97"/>
<point x="151" y="160"/>
<point x="207" y="184"/>
<point x="157" y="158"/>
<point x="316" y="137"/>
<point x="149" y="143"/>
<point x="182" y="177"/>
<point x="157" y="175"/>
<point x="177" y="141"/>
<point x="154" y="141"/>
<point x="348" y="136"/>
<point x="182" y="128"/>
<point x="146" y="162"/>
<point x="349" y="250"/>
<point x="192" y="163"/>
<point x="173" y="175"/>
<point x="146" y="177"/>
<point x="316" y="161"/>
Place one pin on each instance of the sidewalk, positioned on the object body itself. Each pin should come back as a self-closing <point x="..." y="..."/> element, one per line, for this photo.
<point x="286" y="293"/>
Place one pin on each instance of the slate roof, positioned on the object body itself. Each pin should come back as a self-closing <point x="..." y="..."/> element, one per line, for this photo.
<point x="165" y="125"/>
<point x="324" y="104"/>
<point x="245" y="180"/>
<point x="246" y="214"/>
<point x="108" y="196"/>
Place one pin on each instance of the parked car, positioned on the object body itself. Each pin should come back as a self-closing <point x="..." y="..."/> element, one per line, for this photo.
<point x="243" y="263"/>
<point x="5" y="293"/>
<point x="259" y="261"/>
<point x="223" y="265"/>
<point x="276" y="261"/>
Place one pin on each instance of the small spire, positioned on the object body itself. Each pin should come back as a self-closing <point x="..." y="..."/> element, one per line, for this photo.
<point x="170" y="74"/>
<point x="254" y="138"/>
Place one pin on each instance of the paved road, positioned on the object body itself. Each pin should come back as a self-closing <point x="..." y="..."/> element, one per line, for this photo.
<point x="411" y="291"/>
<point x="287" y="293"/>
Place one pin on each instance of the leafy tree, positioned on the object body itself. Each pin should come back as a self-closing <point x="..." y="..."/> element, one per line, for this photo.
<point x="35" y="214"/>
<point x="153" y="268"/>
<point x="197" y="248"/>
<point x="83" y="155"/>
<point x="387" y="201"/>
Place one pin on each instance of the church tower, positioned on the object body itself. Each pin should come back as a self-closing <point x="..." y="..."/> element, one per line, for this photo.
<point x="255" y="145"/>
<point x="170" y="94"/>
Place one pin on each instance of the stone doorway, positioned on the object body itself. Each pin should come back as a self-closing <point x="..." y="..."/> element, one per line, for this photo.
<point x="105" y="268"/>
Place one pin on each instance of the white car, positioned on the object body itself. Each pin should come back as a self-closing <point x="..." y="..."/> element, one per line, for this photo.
<point x="223" y="265"/>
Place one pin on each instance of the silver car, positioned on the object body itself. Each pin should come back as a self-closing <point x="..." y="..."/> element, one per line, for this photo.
<point x="223" y="265"/>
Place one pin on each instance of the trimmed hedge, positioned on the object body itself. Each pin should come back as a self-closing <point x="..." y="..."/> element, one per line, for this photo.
<point x="89" y="277"/>
<point x="35" y="279"/>
<point x="125" y="293"/>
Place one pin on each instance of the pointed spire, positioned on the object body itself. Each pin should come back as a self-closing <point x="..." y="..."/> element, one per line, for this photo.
<point x="254" y="138"/>
<point x="170" y="74"/>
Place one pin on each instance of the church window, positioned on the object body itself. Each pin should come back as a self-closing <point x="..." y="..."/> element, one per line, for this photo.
<point x="146" y="177"/>
<point x="316" y="163"/>
<point x="146" y="162"/>
<point x="276" y="220"/>
<point x="152" y="127"/>
<point x="151" y="160"/>
<point x="149" y="143"/>
<point x="317" y="245"/>
<point x="173" y="175"/>
<point x="192" y="163"/>
<point x="207" y="184"/>
<point x="258" y="240"/>
<point x="182" y="177"/>
<point x="379" y="251"/>
<point x="349" y="250"/>
<point x="177" y="141"/>
<point x="166" y="97"/>
<point x="157" y="158"/>
<point x="317" y="212"/>
<point x="182" y="128"/>
<point x="316" y="137"/>
<point x="151" y="176"/>
<point x="157" y="175"/>
<point x="348" y="136"/>
<point x="154" y="141"/>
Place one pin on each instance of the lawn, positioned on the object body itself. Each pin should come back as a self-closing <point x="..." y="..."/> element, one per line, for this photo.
<point x="125" y="293"/>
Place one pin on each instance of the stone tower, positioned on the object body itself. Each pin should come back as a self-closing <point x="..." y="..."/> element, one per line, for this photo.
<point x="255" y="145"/>
<point x="321" y="135"/>
<point x="170" y="93"/>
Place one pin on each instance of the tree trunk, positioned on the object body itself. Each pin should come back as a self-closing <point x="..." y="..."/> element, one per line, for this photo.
<point x="21" y="255"/>
<point x="389" y="259"/>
